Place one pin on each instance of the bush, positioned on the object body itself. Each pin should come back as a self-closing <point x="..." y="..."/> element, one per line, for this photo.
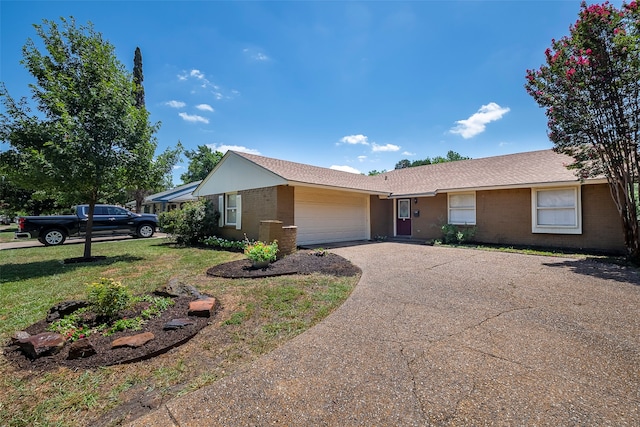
<point x="108" y="297"/>
<point x="219" y="242"/>
<point x="192" y="223"/>
<point x="454" y="234"/>
<point x="262" y="252"/>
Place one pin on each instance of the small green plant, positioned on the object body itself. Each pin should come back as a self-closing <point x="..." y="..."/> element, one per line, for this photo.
<point x="71" y="327"/>
<point x="320" y="252"/>
<point x="133" y="324"/>
<point x="108" y="297"/>
<point x="454" y="234"/>
<point x="261" y="252"/>
<point x="378" y="238"/>
<point x="219" y="242"/>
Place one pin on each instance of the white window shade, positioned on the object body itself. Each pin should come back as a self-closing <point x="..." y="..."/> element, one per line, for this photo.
<point x="462" y="209"/>
<point x="556" y="211"/>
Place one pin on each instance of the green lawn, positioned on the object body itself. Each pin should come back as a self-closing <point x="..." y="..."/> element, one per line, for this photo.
<point x="255" y="317"/>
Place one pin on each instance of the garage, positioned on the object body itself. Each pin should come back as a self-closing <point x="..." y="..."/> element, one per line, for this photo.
<point x="325" y="216"/>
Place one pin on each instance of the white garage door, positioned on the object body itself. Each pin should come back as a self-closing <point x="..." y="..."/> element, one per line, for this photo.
<point x="325" y="216"/>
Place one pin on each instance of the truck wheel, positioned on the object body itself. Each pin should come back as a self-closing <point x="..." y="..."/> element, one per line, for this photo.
<point x="145" y="230"/>
<point x="53" y="237"/>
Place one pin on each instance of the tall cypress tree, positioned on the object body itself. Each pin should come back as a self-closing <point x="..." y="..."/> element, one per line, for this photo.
<point x="138" y="78"/>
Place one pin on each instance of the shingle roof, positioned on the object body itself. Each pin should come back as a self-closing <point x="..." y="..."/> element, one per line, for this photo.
<point x="315" y="175"/>
<point x="511" y="170"/>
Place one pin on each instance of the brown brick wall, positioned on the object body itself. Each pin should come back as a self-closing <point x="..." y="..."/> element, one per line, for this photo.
<point x="268" y="203"/>
<point x="433" y="215"/>
<point x="504" y="217"/>
<point x="381" y="216"/>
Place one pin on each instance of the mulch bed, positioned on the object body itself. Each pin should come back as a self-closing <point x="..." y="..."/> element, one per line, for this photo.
<point x="105" y="356"/>
<point x="301" y="262"/>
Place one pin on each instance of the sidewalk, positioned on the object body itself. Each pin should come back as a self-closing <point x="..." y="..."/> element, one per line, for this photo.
<point x="445" y="336"/>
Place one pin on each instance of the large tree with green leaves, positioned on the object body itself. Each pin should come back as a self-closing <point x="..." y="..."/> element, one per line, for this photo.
<point x="87" y="132"/>
<point x="201" y="162"/>
<point x="590" y="90"/>
<point x="452" y="156"/>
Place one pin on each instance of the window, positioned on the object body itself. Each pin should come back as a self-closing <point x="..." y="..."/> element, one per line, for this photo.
<point x="230" y="209"/>
<point x="462" y="208"/>
<point x="556" y="210"/>
<point x="403" y="209"/>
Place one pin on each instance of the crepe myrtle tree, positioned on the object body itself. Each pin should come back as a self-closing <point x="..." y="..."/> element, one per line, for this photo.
<point x="590" y="89"/>
<point x="87" y="131"/>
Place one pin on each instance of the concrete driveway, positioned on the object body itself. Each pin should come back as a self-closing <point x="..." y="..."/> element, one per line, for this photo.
<point x="444" y="336"/>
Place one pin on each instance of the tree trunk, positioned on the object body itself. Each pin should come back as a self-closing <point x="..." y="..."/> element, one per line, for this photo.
<point x="89" y="229"/>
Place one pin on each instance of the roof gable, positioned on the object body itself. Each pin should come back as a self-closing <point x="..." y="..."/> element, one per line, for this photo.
<point x="236" y="173"/>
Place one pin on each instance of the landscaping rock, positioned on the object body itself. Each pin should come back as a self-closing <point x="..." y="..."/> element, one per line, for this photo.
<point x="81" y="348"/>
<point x="19" y="336"/>
<point x="202" y="307"/>
<point x="42" y="344"/>
<point x="133" y="341"/>
<point x="58" y="311"/>
<point x="175" y="288"/>
<point x="177" y="324"/>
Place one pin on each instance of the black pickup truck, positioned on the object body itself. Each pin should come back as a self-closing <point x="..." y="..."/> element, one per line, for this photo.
<point x="107" y="220"/>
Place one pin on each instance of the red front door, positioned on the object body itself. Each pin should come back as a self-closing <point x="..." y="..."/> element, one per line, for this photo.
<point x="403" y="218"/>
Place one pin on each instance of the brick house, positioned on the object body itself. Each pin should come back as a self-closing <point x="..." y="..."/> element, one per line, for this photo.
<point x="518" y="199"/>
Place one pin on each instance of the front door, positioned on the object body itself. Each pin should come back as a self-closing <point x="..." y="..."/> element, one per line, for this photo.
<point x="403" y="221"/>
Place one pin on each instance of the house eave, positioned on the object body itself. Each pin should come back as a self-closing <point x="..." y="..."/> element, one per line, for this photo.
<point x="498" y="187"/>
<point x="336" y="187"/>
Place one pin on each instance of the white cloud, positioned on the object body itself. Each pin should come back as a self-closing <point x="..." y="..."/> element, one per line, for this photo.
<point x="354" y="139"/>
<point x="388" y="147"/>
<point x="175" y="104"/>
<point x="255" y="55"/>
<point x="345" y="169"/>
<point x="477" y="122"/>
<point x="204" y="107"/>
<point x="408" y="153"/>
<point x="197" y="74"/>
<point x="362" y="158"/>
<point x="223" y="148"/>
<point x="193" y="118"/>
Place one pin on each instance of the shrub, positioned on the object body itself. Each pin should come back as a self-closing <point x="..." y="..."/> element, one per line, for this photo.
<point x="454" y="234"/>
<point x="261" y="252"/>
<point x="192" y="223"/>
<point x="108" y="297"/>
<point x="219" y="242"/>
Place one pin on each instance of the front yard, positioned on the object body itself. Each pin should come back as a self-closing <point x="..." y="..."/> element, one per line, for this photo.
<point x="255" y="316"/>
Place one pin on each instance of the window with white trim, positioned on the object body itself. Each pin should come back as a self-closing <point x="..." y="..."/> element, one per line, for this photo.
<point x="462" y="208"/>
<point x="230" y="208"/>
<point x="556" y="210"/>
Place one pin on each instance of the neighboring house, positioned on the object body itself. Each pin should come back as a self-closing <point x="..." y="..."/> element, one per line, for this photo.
<point x="169" y="199"/>
<point x="518" y="199"/>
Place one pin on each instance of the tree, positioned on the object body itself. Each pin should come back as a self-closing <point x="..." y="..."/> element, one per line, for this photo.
<point x="138" y="78"/>
<point x="452" y="156"/>
<point x="88" y="132"/>
<point x="201" y="162"/>
<point x="402" y="164"/>
<point x="147" y="175"/>
<point x="376" y="172"/>
<point x="590" y="90"/>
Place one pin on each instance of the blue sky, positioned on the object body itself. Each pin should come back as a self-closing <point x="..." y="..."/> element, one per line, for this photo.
<point x="351" y="85"/>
